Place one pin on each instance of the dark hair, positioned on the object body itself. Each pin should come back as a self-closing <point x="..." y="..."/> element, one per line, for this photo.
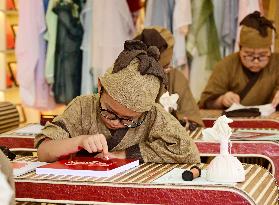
<point x="258" y="22"/>
<point x="151" y="37"/>
<point x="148" y="59"/>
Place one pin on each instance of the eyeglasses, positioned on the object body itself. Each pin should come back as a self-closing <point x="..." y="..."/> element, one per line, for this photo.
<point x="110" y="115"/>
<point x="252" y="58"/>
<point x="262" y="55"/>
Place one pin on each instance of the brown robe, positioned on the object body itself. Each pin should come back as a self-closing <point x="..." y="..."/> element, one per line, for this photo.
<point x="187" y="106"/>
<point x="159" y="139"/>
<point x="6" y="169"/>
<point x="228" y="75"/>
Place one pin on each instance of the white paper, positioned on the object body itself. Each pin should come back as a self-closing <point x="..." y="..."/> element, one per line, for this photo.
<point x="259" y="135"/>
<point x="29" y="167"/>
<point x="175" y="177"/>
<point x="32" y="129"/>
<point x="265" y="110"/>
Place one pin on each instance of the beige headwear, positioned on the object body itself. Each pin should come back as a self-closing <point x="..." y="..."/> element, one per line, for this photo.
<point x="128" y="85"/>
<point x="151" y="40"/>
<point x="256" y="31"/>
<point x="251" y="38"/>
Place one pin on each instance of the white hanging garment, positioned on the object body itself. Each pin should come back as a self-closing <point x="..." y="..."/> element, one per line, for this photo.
<point x="50" y="36"/>
<point x="160" y="13"/>
<point x="198" y="75"/>
<point x="112" y="26"/>
<point x="182" y="17"/>
<point x="205" y="53"/>
<point x="245" y="7"/>
<point x="30" y="54"/>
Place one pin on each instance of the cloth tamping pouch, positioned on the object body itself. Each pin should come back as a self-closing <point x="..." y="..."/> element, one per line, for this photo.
<point x="245" y="112"/>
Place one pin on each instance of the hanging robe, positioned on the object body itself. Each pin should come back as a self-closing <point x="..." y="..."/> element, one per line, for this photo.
<point x="87" y="76"/>
<point x="202" y="44"/>
<point x="30" y="53"/>
<point x="110" y="30"/>
<point x="245" y="7"/>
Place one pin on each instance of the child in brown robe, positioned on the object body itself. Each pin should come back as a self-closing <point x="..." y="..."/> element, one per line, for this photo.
<point x="250" y="76"/>
<point x="123" y="120"/>
<point x="187" y="111"/>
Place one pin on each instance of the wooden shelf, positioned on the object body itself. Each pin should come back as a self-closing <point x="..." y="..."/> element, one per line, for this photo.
<point x="8" y="51"/>
<point x="9" y="12"/>
<point x="9" y="19"/>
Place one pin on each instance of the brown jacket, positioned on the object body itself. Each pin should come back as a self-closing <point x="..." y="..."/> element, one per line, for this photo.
<point x="187" y="106"/>
<point x="159" y="139"/>
<point x="228" y="75"/>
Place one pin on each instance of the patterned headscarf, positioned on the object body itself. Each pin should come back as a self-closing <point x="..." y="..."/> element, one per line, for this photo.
<point x="256" y="31"/>
<point x="135" y="78"/>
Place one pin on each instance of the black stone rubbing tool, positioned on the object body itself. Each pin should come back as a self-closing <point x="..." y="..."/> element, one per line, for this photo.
<point x="8" y="153"/>
<point x="189" y="175"/>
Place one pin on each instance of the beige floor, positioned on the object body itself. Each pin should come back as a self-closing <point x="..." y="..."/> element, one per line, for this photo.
<point x="31" y="115"/>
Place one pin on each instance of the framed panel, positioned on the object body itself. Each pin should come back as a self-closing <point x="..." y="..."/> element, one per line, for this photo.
<point x="12" y="69"/>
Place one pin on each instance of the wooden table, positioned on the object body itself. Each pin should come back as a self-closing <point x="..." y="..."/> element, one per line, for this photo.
<point x="125" y="184"/>
<point x="264" y="149"/>
<point x="272" y="121"/>
<point x="16" y="141"/>
<point x="135" y="186"/>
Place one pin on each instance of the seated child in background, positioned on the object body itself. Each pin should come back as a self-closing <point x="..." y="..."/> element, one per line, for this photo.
<point x="250" y="76"/>
<point x="187" y="111"/>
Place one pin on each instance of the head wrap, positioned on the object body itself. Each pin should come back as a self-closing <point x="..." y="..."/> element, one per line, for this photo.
<point x="160" y="37"/>
<point x="135" y="78"/>
<point x="256" y="31"/>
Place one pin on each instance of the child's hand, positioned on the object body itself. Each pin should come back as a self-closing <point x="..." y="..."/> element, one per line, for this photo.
<point x="94" y="143"/>
<point x="275" y="100"/>
<point x="229" y="98"/>
<point x="115" y="154"/>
